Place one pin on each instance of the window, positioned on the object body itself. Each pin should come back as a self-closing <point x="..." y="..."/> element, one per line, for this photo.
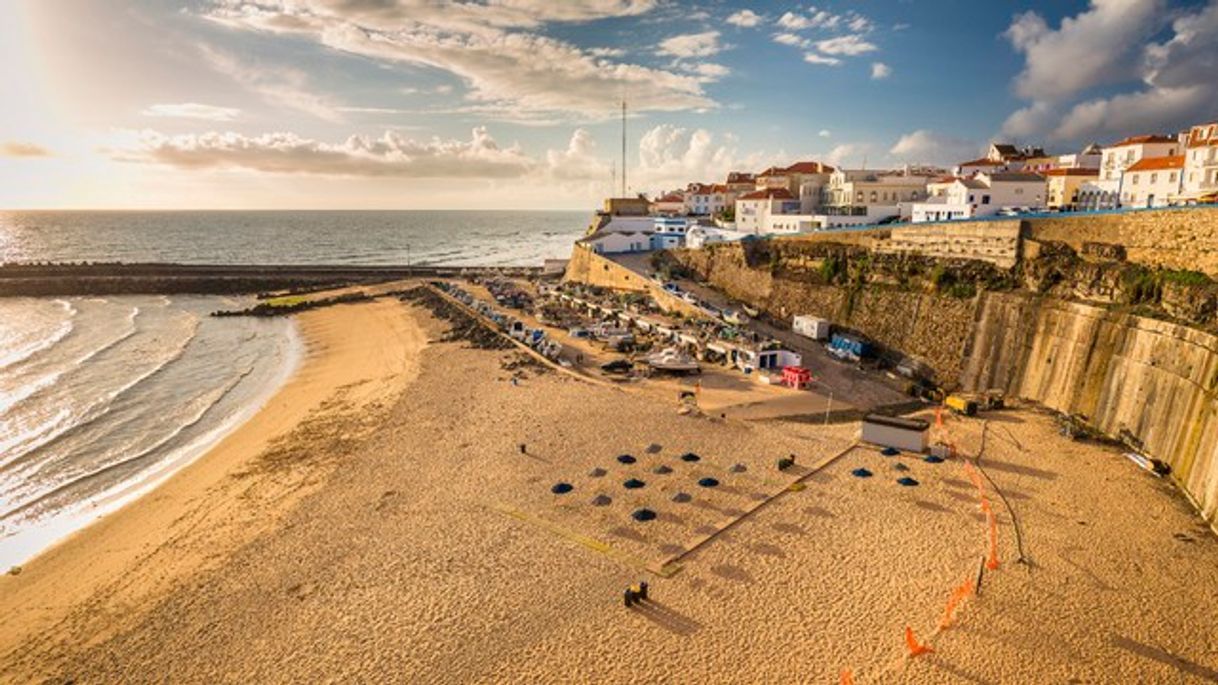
<point x="1134" y="181"/>
<point x="1019" y="191"/>
<point x="1172" y="178"/>
<point x="985" y="199"/>
<point x="1154" y="177"/>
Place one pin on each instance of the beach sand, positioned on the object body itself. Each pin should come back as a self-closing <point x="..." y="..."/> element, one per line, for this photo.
<point x="99" y="581"/>
<point x="425" y="547"/>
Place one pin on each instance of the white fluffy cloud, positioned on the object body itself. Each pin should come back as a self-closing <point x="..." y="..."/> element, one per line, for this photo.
<point x="691" y="45"/>
<point x="192" y="110"/>
<point x="672" y="156"/>
<point x="929" y="147"/>
<point x="489" y="46"/>
<point x="816" y="58"/>
<point x="390" y="155"/>
<point x="879" y="70"/>
<point x="849" y="45"/>
<point x="744" y="19"/>
<point x="796" y="40"/>
<point x="1106" y="45"/>
<point x="1097" y="46"/>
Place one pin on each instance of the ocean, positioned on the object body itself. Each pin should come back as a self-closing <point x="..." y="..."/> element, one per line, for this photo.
<point x="464" y="238"/>
<point x="102" y="398"/>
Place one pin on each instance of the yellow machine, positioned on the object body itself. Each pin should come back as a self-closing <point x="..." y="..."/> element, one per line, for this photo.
<point x="961" y="405"/>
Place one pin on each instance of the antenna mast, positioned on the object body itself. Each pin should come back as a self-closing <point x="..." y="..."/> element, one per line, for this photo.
<point x="623" y="146"/>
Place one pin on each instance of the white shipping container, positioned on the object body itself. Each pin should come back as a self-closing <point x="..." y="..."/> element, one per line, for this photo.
<point x="811" y="327"/>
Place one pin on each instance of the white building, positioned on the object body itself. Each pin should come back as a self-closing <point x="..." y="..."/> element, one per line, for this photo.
<point x="704" y="199"/>
<point x="1152" y="182"/>
<point x="861" y="189"/>
<point x="753" y="209"/>
<point x="615" y="242"/>
<point x="1106" y="191"/>
<point x="1200" y="173"/>
<point x="982" y="195"/>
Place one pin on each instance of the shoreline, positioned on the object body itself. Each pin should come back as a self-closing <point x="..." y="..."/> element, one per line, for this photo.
<point x="222" y="498"/>
<point x="46" y="535"/>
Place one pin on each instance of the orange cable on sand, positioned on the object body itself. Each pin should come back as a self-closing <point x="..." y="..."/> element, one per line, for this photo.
<point x="847" y="677"/>
<point x="915" y="648"/>
<point x="992" y="562"/>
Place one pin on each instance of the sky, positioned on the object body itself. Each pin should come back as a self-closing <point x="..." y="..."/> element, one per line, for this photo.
<point x="515" y="104"/>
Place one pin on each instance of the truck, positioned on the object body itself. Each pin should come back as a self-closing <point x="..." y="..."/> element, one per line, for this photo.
<point x="812" y="327"/>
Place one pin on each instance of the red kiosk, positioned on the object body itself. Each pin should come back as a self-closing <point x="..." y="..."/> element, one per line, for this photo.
<point x="796" y="377"/>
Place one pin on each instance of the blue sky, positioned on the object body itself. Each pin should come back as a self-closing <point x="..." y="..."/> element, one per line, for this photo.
<point x="511" y="103"/>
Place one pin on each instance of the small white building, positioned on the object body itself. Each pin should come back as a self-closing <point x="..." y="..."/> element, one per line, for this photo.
<point x="616" y="242"/>
<point x="1200" y="173"/>
<point x="1106" y="191"/>
<point x="892" y="431"/>
<point x="703" y="199"/>
<point x="812" y="327"/>
<point x="753" y="209"/>
<point x="1152" y="182"/>
<point x="982" y="195"/>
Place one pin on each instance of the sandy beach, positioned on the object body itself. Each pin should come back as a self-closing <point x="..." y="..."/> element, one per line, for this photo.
<point x="98" y="582"/>
<point x="380" y="523"/>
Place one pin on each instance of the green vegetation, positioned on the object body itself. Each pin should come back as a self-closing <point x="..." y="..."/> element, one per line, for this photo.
<point x="286" y="301"/>
<point x="1189" y="278"/>
<point x="830" y="268"/>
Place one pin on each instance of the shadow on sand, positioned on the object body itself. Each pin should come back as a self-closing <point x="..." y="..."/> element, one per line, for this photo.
<point x="667" y="618"/>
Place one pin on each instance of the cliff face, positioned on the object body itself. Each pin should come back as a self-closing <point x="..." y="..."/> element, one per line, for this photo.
<point x="1111" y="317"/>
<point x="1131" y="376"/>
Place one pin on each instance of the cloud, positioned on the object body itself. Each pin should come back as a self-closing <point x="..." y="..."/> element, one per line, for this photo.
<point x="691" y="45"/>
<point x="846" y="153"/>
<point x="744" y="19"/>
<point x="15" y="148"/>
<point x="488" y="45"/>
<point x="1175" y="76"/>
<point x="845" y="45"/>
<point x="795" y="22"/>
<point x="578" y="162"/>
<point x="281" y="86"/>
<point x="192" y="110"/>
<point x="390" y="155"/>
<point x="929" y="147"/>
<point x="824" y="133"/>
<point x="710" y="70"/>
<point x="791" y="39"/>
<point x="672" y="156"/>
<point x="814" y="58"/>
<point x="879" y="70"/>
<point x="1096" y="47"/>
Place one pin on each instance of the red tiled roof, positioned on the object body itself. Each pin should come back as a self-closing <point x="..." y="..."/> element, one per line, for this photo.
<point x="772" y="171"/>
<point x="946" y="179"/>
<point x="671" y="197"/>
<point x="809" y="168"/>
<point x="768" y="194"/>
<point x="1155" y="163"/>
<point x="1070" y="172"/>
<point x="982" y="162"/>
<point x="1141" y="140"/>
<point x="1196" y="136"/>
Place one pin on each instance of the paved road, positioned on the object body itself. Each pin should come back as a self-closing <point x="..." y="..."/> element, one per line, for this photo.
<point x="862" y="388"/>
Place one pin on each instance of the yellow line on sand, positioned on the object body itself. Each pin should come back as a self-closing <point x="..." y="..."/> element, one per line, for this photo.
<point x="664" y="571"/>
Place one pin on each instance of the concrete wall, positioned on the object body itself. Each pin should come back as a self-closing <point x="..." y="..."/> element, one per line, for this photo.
<point x="1152" y="379"/>
<point x="585" y="266"/>
<point x="1185" y="238"/>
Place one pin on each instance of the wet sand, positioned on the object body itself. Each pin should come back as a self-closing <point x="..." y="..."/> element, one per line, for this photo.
<point x="426" y="547"/>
